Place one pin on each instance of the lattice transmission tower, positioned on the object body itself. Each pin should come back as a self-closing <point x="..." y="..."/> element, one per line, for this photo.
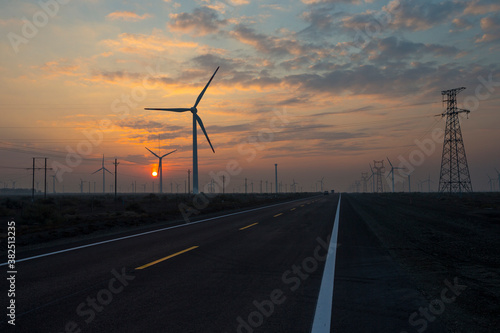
<point x="454" y="177"/>
<point x="379" y="169"/>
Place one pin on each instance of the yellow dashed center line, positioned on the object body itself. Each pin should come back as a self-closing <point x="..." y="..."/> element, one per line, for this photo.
<point x="248" y="226"/>
<point x="301" y="205"/>
<point x="167" y="257"/>
<point x="278" y="215"/>
<point x="293" y="209"/>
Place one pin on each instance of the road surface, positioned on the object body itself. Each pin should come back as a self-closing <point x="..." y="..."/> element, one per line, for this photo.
<point x="256" y="271"/>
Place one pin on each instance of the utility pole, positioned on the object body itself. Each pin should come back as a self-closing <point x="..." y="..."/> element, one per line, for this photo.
<point x="223" y="184"/>
<point x="276" y="178"/>
<point x="246" y="186"/>
<point x="454" y="177"/>
<point x="116" y="175"/>
<point x="252" y="185"/>
<point x="45" y="180"/>
<point x="261" y="186"/>
<point x="33" y="182"/>
<point x="189" y="181"/>
<point x="266" y="187"/>
<point x="33" y="178"/>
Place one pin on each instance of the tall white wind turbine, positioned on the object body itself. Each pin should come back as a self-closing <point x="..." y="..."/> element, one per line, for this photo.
<point x="392" y="171"/>
<point x="196" y="119"/>
<point x="160" y="167"/>
<point x="103" y="168"/>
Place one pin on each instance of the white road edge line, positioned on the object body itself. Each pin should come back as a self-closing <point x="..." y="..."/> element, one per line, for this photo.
<point x="146" y="233"/>
<point x="323" y="313"/>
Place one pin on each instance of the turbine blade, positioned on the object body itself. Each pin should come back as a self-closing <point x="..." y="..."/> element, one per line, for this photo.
<point x="108" y="171"/>
<point x="198" y="119"/>
<point x="390" y="162"/>
<point x="168" y="153"/>
<point x="152" y="152"/>
<point x="205" y="89"/>
<point x="169" y="109"/>
<point x="96" y="171"/>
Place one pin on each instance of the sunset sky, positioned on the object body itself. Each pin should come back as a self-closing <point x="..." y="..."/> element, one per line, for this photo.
<point x="342" y="83"/>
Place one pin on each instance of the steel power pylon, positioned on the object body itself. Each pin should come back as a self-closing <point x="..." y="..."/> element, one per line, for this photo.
<point x="454" y="177"/>
<point x="379" y="169"/>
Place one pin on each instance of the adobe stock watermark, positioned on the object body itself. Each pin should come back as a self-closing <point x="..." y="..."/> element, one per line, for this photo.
<point x="420" y="319"/>
<point x="30" y="29"/>
<point x="121" y="107"/>
<point x="88" y="310"/>
<point x="292" y="279"/>
<point x="248" y="149"/>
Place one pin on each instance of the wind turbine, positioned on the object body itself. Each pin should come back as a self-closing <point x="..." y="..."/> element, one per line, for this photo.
<point x="321" y="181"/>
<point x="491" y="183"/>
<point x="498" y="174"/>
<point x="293" y="185"/>
<point x="371" y="176"/>
<point x="160" y="167"/>
<point x="196" y="119"/>
<point x="103" y="168"/>
<point x="392" y="171"/>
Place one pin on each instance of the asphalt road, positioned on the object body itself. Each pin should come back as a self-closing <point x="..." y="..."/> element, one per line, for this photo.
<point x="258" y="271"/>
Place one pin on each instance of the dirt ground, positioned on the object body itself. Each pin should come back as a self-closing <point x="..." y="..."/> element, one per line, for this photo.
<point x="438" y="237"/>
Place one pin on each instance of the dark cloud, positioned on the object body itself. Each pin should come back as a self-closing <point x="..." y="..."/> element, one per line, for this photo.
<point x="266" y="43"/>
<point x="200" y="22"/>
<point x="384" y="51"/>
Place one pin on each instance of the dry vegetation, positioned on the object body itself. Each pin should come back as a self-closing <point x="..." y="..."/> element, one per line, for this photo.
<point x="67" y="216"/>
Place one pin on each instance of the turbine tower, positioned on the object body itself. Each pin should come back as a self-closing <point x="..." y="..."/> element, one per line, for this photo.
<point x="160" y="167"/>
<point x="379" y="169"/>
<point x="321" y="181"/>
<point x="498" y="175"/>
<point x="372" y="177"/>
<point x="454" y="177"/>
<point x="103" y="168"/>
<point x="364" y="179"/>
<point x="196" y="119"/>
<point x="392" y="171"/>
<point x="490" y="182"/>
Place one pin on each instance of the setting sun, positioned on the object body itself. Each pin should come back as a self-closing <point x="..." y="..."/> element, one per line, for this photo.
<point x="154" y="173"/>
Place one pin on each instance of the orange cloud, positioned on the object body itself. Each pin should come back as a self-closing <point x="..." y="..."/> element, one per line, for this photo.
<point x="127" y="16"/>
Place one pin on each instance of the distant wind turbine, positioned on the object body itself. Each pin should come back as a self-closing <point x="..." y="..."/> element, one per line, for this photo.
<point x="372" y="178"/>
<point x="321" y="181"/>
<point x="294" y="186"/>
<point x="491" y="183"/>
<point x="392" y="171"/>
<point x="103" y="168"/>
<point x="160" y="167"/>
<point x="196" y="119"/>
<point x="498" y="175"/>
